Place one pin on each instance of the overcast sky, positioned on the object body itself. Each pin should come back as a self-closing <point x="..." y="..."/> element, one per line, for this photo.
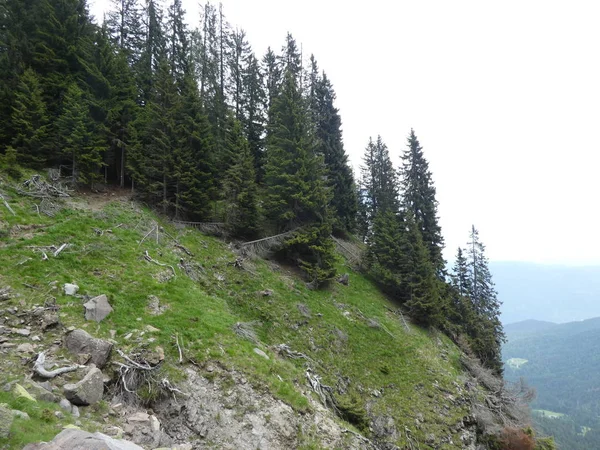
<point x="503" y="96"/>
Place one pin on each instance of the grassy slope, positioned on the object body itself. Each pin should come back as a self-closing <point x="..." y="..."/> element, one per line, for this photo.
<point x="414" y="370"/>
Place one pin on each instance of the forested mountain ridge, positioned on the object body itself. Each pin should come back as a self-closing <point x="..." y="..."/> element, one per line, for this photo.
<point x="560" y="361"/>
<point x="208" y="134"/>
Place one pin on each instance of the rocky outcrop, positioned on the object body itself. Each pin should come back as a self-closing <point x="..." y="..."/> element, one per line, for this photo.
<point x="79" y="342"/>
<point x="88" y="391"/>
<point x="74" y="439"/>
<point x="144" y="429"/>
<point x="240" y="417"/>
<point x="97" y="308"/>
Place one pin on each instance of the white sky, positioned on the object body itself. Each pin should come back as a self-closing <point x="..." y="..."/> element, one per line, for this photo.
<point x="503" y="96"/>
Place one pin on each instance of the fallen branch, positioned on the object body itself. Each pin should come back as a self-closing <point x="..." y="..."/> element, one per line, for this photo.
<point x="60" y="249"/>
<point x="144" y="238"/>
<point x="134" y="364"/>
<point x="179" y="348"/>
<point x="181" y="247"/>
<point x="148" y="258"/>
<point x="40" y="370"/>
<point x="7" y="205"/>
<point x="324" y="392"/>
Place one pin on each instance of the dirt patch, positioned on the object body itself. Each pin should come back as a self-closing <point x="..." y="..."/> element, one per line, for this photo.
<point x="96" y="201"/>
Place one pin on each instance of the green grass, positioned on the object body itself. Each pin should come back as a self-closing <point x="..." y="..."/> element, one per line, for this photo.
<point x="411" y="372"/>
<point x="551" y="414"/>
<point x="516" y="363"/>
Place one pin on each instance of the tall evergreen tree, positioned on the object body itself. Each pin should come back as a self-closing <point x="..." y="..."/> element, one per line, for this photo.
<point x="79" y="140"/>
<point x="241" y="191"/>
<point x="379" y="179"/>
<point x="30" y="121"/>
<point x="273" y="77"/>
<point x="297" y="196"/>
<point x="194" y="156"/>
<point x="487" y="332"/>
<point x="328" y="134"/>
<point x="253" y="113"/>
<point x="424" y="300"/>
<point x="418" y="197"/>
<point x="461" y="279"/>
<point x="126" y="29"/>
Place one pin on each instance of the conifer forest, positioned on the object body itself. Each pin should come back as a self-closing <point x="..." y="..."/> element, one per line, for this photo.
<point x="205" y="130"/>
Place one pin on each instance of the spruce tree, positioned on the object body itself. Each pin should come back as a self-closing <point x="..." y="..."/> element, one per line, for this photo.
<point x="379" y="179"/>
<point x="241" y="191"/>
<point x="328" y="134"/>
<point x="487" y="333"/>
<point x="423" y="297"/>
<point x="126" y="29"/>
<point x="297" y="196"/>
<point x="461" y="280"/>
<point x="30" y="121"/>
<point x="418" y="197"/>
<point x="194" y="155"/>
<point x="387" y="258"/>
<point x="79" y="140"/>
<point x="253" y="113"/>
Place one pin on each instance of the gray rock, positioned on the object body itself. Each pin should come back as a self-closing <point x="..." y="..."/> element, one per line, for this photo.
<point x="344" y="279"/>
<point x="97" y="308"/>
<point x="259" y="352"/>
<point x="25" y="348"/>
<point x="21" y="331"/>
<point x="49" y="320"/>
<point x="80" y="342"/>
<point x="70" y="289"/>
<point x="6" y="420"/>
<point x="74" y="439"/>
<point x="154" y="306"/>
<point x="75" y="411"/>
<point x="143" y="429"/>
<point x="88" y="391"/>
<point x="65" y="404"/>
<point x="20" y="414"/>
<point x="39" y="392"/>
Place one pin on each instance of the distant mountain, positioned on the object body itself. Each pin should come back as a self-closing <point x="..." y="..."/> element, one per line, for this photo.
<point x="550" y="293"/>
<point x="526" y="327"/>
<point x="562" y="362"/>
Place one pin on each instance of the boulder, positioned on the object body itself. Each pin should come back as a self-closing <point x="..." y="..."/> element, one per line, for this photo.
<point x="40" y="392"/>
<point x="80" y="342"/>
<point x="25" y="348"/>
<point x="259" y="352"/>
<point x="6" y="420"/>
<point x="65" y="404"/>
<point x="143" y="429"/>
<point x="97" y="308"/>
<point x="344" y="279"/>
<point x="49" y="320"/>
<point x="74" y="439"/>
<point x="20" y="392"/>
<point x="70" y="288"/>
<point x="88" y="391"/>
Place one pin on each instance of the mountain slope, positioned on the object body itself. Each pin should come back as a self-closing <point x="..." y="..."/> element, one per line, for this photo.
<point x="561" y="362"/>
<point x="238" y="323"/>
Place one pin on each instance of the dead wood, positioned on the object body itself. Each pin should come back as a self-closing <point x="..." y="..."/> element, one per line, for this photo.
<point x="40" y="370"/>
<point x="6" y="204"/>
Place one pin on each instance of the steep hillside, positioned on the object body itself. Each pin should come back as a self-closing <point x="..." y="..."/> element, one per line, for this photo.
<point x="561" y="362"/>
<point x="209" y="348"/>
